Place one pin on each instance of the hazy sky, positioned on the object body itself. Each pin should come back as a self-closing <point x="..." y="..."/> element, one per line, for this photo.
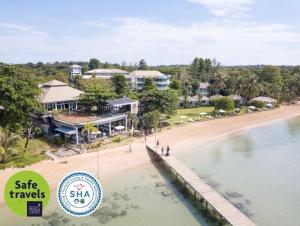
<point x="160" y="31"/>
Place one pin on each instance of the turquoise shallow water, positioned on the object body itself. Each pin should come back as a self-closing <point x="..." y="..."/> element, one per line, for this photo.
<point x="258" y="170"/>
<point x="138" y="197"/>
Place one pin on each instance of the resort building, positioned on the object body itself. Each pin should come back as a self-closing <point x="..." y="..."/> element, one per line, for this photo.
<point x="193" y="101"/>
<point x="75" y="70"/>
<point x="111" y="119"/>
<point x="203" y="89"/>
<point x="69" y="121"/>
<point x="104" y="73"/>
<point x="137" y="79"/>
<point x="57" y="95"/>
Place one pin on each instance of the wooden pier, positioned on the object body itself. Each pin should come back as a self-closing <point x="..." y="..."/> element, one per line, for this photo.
<point x="199" y="188"/>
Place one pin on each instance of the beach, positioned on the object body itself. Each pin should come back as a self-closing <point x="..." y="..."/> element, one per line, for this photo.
<point x="115" y="160"/>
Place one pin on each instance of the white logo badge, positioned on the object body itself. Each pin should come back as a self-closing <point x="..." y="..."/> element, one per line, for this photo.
<point x="79" y="194"/>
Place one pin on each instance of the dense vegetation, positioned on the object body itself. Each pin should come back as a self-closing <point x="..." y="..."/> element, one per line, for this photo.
<point x="19" y="91"/>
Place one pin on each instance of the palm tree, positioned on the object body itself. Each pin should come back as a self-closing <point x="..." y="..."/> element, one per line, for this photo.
<point x="132" y="121"/>
<point x="89" y="128"/>
<point x="238" y="86"/>
<point x="220" y="82"/>
<point x="251" y="87"/>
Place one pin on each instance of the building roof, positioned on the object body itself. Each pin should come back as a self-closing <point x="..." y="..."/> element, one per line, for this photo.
<point x="203" y="85"/>
<point x="56" y="91"/>
<point x="121" y="101"/>
<point x="264" y="99"/>
<point x="147" y="74"/>
<point x="75" y="65"/>
<point x="106" y="71"/>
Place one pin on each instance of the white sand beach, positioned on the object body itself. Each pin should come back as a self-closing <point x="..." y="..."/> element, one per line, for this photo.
<point x="114" y="160"/>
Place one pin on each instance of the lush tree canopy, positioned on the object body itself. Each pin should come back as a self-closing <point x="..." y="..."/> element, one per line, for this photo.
<point x="120" y="85"/>
<point x="94" y="64"/>
<point x="165" y="101"/>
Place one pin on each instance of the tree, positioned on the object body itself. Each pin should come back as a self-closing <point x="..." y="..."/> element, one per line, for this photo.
<point x="149" y="84"/>
<point x="120" y="85"/>
<point x="270" y="74"/>
<point x="176" y="85"/>
<point x="89" y="128"/>
<point x="142" y="65"/>
<point x="94" y="64"/>
<point x="185" y="93"/>
<point x="220" y="82"/>
<point x="151" y="120"/>
<point x="95" y="95"/>
<point x="224" y="103"/>
<point x="165" y="101"/>
<point x="8" y="141"/>
<point x="19" y="93"/>
<point x="132" y="121"/>
<point x="238" y="86"/>
<point x="250" y="89"/>
<point x="195" y="69"/>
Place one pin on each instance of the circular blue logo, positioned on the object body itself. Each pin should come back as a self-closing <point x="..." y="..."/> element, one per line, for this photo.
<point x="79" y="194"/>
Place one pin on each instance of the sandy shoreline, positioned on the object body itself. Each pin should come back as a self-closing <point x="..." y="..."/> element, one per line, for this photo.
<point x="114" y="160"/>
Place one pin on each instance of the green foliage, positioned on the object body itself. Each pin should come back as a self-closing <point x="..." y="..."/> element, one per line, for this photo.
<point x="151" y="119"/>
<point x="149" y="84"/>
<point x="250" y="88"/>
<point x="224" y="103"/>
<point x="18" y="95"/>
<point x="270" y="74"/>
<point x="116" y="139"/>
<point x="142" y="65"/>
<point x="95" y="94"/>
<point x="258" y="104"/>
<point x="176" y="85"/>
<point x="58" y="140"/>
<point x="94" y="64"/>
<point x="165" y="101"/>
<point x="120" y="85"/>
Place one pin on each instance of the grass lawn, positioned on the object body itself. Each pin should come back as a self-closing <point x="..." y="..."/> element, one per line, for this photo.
<point x="34" y="153"/>
<point x="189" y="113"/>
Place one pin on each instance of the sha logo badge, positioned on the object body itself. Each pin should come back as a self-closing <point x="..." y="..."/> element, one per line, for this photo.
<point x="79" y="194"/>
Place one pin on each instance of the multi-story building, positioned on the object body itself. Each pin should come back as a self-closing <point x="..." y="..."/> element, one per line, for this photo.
<point x="69" y="120"/>
<point x="75" y="70"/>
<point x="137" y="79"/>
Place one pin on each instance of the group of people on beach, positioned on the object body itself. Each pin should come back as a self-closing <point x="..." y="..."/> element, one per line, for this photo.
<point x="162" y="149"/>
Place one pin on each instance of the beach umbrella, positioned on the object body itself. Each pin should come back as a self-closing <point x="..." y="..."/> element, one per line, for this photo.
<point x="119" y="128"/>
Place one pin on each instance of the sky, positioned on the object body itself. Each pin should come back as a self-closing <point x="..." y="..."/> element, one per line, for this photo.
<point x="235" y="32"/>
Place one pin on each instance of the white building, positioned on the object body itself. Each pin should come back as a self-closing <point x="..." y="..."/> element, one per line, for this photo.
<point x="137" y="78"/>
<point x="75" y="70"/>
<point x="203" y="89"/>
<point x="104" y="73"/>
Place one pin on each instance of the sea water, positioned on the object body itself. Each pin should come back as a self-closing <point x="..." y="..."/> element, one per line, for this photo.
<point x="142" y="196"/>
<point x="258" y="170"/>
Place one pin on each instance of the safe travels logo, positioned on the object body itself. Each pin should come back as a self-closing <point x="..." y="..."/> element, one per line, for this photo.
<point x="27" y="193"/>
<point x="79" y="194"/>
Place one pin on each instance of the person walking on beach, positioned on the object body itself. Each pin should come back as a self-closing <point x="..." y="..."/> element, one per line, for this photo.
<point x="162" y="150"/>
<point x="130" y="149"/>
<point x="157" y="143"/>
<point x="168" y="150"/>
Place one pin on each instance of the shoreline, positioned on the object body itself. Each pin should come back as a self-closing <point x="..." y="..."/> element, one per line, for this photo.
<point x="180" y="139"/>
